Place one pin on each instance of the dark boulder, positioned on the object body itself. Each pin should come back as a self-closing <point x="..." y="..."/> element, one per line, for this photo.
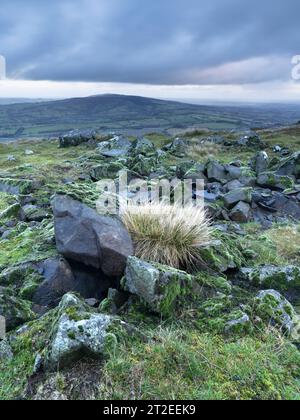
<point x="241" y="213"/>
<point x="76" y="137"/>
<point x="84" y="236"/>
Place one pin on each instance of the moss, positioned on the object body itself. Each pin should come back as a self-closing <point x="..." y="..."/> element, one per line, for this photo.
<point x="217" y="283"/>
<point x="175" y="295"/>
<point x="28" y="244"/>
<point x="76" y="314"/>
<point x="16" y="186"/>
<point x="224" y="253"/>
<point x="16" y="311"/>
<point x="32" y="281"/>
<point x="85" y="192"/>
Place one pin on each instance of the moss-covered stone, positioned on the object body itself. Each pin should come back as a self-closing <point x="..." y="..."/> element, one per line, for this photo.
<point x="11" y="211"/>
<point x="164" y="289"/>
<point x="15" y="310"/>
<point x="106" y="170"/>
<point x="223" y="254"/>
<point x="16" y="186"/>
<point x="269" y="276"/>
<point x="274" y="181"/>
<point x="273" y="308"/>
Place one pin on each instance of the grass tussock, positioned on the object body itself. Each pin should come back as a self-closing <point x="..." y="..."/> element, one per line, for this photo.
<point x="168" y="234"/>
<point x="206" y="150"/>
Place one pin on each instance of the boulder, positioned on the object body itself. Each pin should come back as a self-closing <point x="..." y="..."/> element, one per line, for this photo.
<point x="106" y="170"/>
<point x="11" y="211"/>
<point x="84" y="236"/>
<point x="290" y="166"/>
<point x="233" y="185"/>
<point x="216" y="172"/>
<point x="260" y="162"/>
<point x="163" y="288"/>
<point x="33" y="213"/>
<point x="118" y="146"/>
<point x="235" y="196"/>
<point x="251" y="140"/>
<point x="78" y="332"/>
<point x="239" y="323"/>
<point x="275" y="182"/>
<point x="6" y="353"/>
<point x="143" y="146"/>
<point x="273" y="308"/>
<point x="76" y="137"/>
<point x="16" y="186"/>
<point x="142" y="165"/>
<point x="272" y="277"/>
<point x="178" y="147"/>
<point x="222" y="173"/>
<point x="241" y="213"/>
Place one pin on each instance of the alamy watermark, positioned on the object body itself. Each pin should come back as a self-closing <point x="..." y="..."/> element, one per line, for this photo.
<point x="2" y="67"/>
<point x="117" y="194"/>
<point x="296" y="67"/>
<point x="2" y="327"/>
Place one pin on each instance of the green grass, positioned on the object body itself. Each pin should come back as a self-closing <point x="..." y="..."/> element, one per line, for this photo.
<point x="180" y="364"/>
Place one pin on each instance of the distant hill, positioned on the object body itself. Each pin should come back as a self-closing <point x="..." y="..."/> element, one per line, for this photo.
<point x="10" y="101"/>
<point x="133" y="114"/>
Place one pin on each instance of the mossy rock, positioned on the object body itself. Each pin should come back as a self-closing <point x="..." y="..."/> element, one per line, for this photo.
<point x="15" y="310"/>
<point x="283" y="278"/>
<point x="274" y="181"/>
<point x="223" y="254"/>
<point x="273" y="308"/>
<point x="164" y="289"/>
<point x="11" y="211"/>
<point x="16" y="186"/>
<point x="106" y="171"/>
<point x="23" y="279"/>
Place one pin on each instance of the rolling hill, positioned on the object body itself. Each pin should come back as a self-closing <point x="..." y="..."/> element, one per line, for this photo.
<point x="132" y="114"/>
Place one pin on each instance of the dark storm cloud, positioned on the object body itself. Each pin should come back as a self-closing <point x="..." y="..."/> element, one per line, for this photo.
<point x="150" y="41"/>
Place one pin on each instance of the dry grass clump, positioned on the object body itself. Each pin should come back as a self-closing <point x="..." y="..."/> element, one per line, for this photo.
<point x="198" y="151"/>
<point x="287" y="241"/>
<point x="168" y="234"/>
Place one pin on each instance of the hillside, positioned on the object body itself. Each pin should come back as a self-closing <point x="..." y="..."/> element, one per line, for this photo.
<point x="134" y="115"/>
<point x="90" y="315"/>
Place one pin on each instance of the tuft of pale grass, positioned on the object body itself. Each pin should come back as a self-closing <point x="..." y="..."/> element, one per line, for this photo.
<point x="168" y="234"/>
<point x="198" y="151"/>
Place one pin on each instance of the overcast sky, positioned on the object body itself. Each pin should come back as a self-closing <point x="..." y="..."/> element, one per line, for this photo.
<point x="216" y="49"/>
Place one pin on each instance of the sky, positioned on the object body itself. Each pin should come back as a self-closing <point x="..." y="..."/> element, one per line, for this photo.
<point x="196" y="50"/>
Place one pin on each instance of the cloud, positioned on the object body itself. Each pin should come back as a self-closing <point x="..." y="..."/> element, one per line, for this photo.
<point x="150" y="42"/>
